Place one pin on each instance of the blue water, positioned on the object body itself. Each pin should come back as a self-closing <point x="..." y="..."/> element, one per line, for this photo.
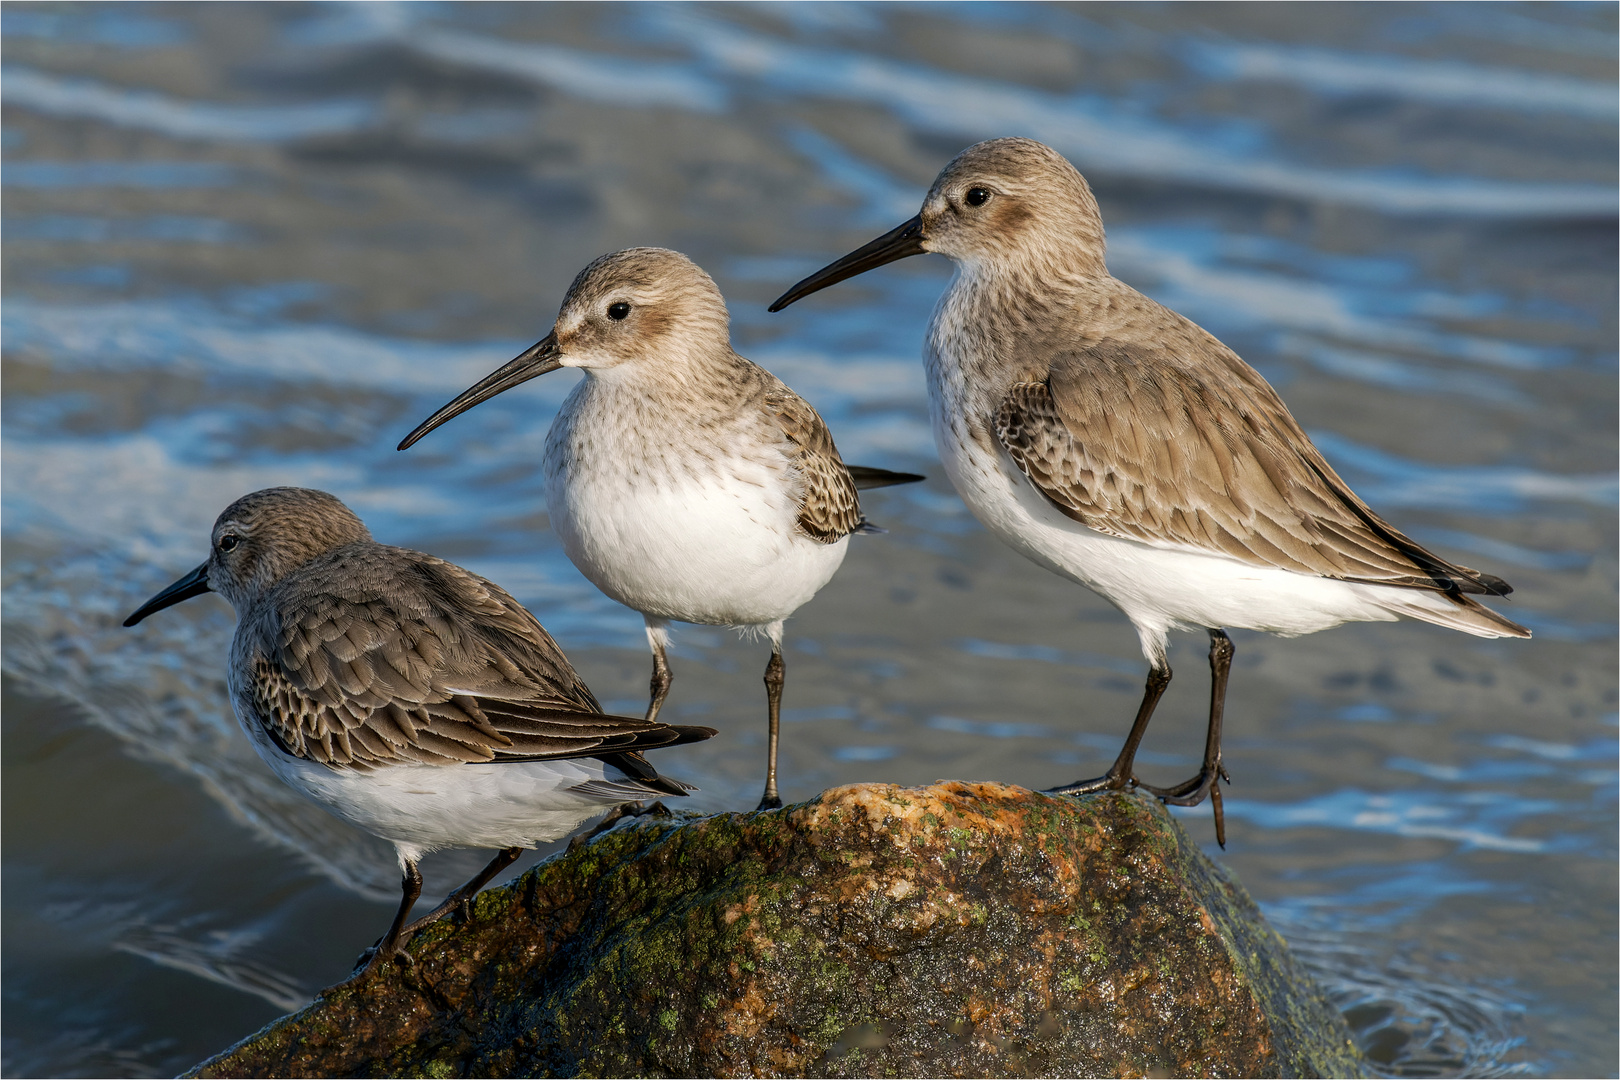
<point x="252" y="245"/>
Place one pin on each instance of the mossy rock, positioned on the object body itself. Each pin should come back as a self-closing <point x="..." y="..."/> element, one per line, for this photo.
<point x="954" y="930"/>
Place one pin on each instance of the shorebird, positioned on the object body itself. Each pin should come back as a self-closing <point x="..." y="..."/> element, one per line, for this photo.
<point x="1122" y="446"/>
<point x="409" y="697"/>
<point x="684" y="481"/>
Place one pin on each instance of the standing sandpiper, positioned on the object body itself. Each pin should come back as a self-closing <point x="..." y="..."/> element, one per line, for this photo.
<point x="1118" y="444"/>
<point x="410" y="697"/>
<point x="684" y="481"/>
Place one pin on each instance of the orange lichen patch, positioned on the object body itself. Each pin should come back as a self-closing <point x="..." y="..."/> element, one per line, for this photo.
<point x="988" y="808"/>
<point x="746" y="1014"/>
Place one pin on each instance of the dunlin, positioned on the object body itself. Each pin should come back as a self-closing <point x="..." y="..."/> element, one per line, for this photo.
<point x="684" y="481"/>
<point x="1120" y="445"/>
<point x="407" y="696"/>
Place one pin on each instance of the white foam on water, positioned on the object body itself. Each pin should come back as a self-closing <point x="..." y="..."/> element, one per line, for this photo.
<point x="631" y="82"/>
<point x="1466" y="86"/>
<point x="1097" y="134"/>
<point x="147" y="110"/>
<point x="192" y="335"/>
<point x="1386" y="479"/>
<point x="1460" y="819"/>
<point x="133" y="492"/>
<point x="1193" y="281"/>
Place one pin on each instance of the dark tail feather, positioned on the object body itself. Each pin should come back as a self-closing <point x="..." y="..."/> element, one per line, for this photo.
<point x="641" y="771"/>
<point x="692" y="733"/>
<point x="866" y="477"/>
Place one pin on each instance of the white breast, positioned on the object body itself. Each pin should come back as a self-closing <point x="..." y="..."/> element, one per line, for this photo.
<point x="708" y="538"/>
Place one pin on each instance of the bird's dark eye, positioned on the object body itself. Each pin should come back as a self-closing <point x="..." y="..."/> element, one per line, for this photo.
<point x="228" y="542"/>
<point x="977" y="196"/>
<point x="618" y="311"/>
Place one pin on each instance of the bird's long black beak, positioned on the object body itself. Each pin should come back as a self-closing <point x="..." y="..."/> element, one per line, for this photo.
<point x="896" y="244"/>
<point x="539" y="358"/>
<point x="193" y="584"/>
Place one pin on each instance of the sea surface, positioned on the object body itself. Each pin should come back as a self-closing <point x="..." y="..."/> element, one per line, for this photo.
<point x="249" y="245"/>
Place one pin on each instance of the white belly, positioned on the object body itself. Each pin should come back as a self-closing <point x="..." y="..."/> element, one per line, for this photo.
<point x="421" y="808"/>
<point x="722" y="549"/>
<point x="1158" y="589"/>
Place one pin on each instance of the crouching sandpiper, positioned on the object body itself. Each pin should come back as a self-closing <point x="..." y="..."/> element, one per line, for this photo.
<point x="409" y="697"/>
<point x="684" y="481"/>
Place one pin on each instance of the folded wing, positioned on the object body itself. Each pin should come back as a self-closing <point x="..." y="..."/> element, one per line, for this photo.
<point x="829" y="507"/>
<point x="1209" y="460"/>
<point x="375" y="666"/>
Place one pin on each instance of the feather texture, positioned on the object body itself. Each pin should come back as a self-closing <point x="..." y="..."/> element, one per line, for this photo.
<point x="1207" y="458"/>
<point x="829" y="506"/>
<point x="373" y="656"/>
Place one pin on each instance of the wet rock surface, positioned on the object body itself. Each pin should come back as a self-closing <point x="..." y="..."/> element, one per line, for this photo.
<point x="953" y="930"/>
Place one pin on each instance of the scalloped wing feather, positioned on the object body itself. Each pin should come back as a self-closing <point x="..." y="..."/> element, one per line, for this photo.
<point x="1208" y="460"/>
<point x="829" y="506"/>
<point x="373" y="660"/>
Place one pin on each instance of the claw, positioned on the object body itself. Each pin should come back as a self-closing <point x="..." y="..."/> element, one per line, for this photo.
<point x="1109" y="781"/>
<point x="366" y="966"/>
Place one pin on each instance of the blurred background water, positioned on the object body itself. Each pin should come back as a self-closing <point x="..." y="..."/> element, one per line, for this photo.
<point x="253" y="245"/>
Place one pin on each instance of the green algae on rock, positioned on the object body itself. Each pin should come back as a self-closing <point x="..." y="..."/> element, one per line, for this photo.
<point x="953" y="930"/>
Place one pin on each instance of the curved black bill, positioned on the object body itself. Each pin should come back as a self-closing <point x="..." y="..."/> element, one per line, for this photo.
<point x="537" y="359"/>
<point x="895" y="244"/>
<point x="193" y="584"/>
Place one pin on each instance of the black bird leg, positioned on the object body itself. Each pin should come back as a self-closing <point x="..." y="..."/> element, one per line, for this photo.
<point x="661" y="676"/>
<point x="410" y="888"/>
<point x="1119" y="773"/>
<point x="503" y="858"/>
<point x="1207" y="782"/>
<point x="775" y="677"/>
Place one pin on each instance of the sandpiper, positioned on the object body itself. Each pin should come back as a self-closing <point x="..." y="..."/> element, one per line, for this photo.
<point x="684" y="481"/>
<point x="1120" y="445"/>
<point x="410" y="697"/>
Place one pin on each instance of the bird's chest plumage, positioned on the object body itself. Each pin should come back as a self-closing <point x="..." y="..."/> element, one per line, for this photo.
<point x="679" y="513"/>
<point x="248" y="646"/>
<point x="969" y="374"/>
<point x="966" y="383"/>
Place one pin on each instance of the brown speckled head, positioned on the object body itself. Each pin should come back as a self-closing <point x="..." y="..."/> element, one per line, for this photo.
<point x="641" y="306"/>
<point x="636" y="314"/>
<point x="1014" y="200"/>
<point x="258" y="541"/>
<point x="264" y="536"/>
<point x="1009" y="210"/>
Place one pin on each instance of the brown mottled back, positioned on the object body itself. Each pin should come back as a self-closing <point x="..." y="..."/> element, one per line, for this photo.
<point x="359" y="655"/>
